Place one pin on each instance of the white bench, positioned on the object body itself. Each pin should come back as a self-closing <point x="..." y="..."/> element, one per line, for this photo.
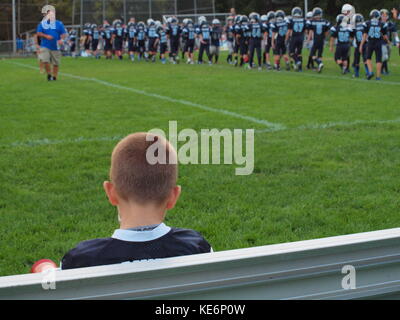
<point x="309" y="269"/>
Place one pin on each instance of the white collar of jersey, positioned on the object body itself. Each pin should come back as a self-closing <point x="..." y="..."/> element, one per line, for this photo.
<point x="141" y="236"/>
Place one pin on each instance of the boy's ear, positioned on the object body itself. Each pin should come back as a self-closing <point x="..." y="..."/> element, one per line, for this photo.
<point x="111" y="193"/>
<point x="173" y="197"/>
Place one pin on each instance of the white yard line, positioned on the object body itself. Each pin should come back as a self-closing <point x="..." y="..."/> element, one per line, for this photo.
<point x="315" y="126"/>
<point x="272" y="126"/>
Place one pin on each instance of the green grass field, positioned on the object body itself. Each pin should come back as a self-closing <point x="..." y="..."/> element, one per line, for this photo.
<point x="331" y="168"/>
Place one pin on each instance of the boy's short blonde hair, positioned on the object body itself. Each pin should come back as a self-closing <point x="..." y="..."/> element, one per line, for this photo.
<point x="134" y="177"/>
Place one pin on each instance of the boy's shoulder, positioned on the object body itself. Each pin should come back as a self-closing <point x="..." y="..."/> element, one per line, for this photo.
<point x="84" y="252"/>
<point x="118" y="248"/>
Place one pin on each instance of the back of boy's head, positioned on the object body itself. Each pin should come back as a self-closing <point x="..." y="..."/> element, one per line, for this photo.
<point x="134" y="178"/>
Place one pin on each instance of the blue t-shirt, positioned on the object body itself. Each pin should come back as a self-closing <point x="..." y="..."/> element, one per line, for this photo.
<point x="55" y="29"/>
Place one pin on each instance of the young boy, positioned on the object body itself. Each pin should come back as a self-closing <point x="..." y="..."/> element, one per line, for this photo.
<point x="358" y="36"/>
<point x="216" y="34"/>
<point x="343" y="33"/>
<point x="280" y="36"/>
<point x="318" y="29"/>
<point x="297" y="28"/>
<point x="143" y="193"/>
<point x="375" y="32"/>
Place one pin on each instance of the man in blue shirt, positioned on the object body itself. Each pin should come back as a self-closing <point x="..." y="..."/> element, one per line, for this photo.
<point x="52" y="33"/>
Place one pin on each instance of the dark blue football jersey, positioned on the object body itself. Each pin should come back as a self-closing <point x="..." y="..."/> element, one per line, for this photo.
<point x="298" y="25"/>
<point x="205" y="30"/>
<point x="256" y="30"/>
<point x="216" y="34"/>
<point x="280" y="28"/>
<point x="128" y="245"/>
<point x="375" y="30"/>
<point x="320" y="27"/>
<point x="359" y="32"/>
<point x="342" y="34"/>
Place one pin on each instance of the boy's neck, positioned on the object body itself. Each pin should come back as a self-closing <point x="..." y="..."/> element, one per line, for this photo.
<point x="133" y="215"/>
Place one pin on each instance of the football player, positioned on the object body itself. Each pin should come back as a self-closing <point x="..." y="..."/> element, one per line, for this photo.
<point x="375" y="31"/>
<point x="152" y="36"/>
<point x="309" y="43"/>
<point x="237" y="31"/>
<point x="343" y="33"/>
<point x="141" y="39"/>
<point x="318" y="30"/>
<point x="230" y="38"/>
<point x="174" y="33"/>
<point x="358" y="36"/>
<point x="87" y="32"/>
<point x="268" y="38"/>
<point x="130" y="37"/>
<point x="72" y="42"/>
<point x="204" y="33"/>
<point x="189" y="33"/>
<point x="257" y="32"/>
<point x="163" y="42"/>
<point x="392" y="35"/>
<point x="118" y="39"/>
<point x="216" y="33"/>
<point x="106" y="35"/>
<point x="280" y="36"/>
<point x="244" y="40"/>
<point x="95" y="34"/>
<point x="297" y="28"/>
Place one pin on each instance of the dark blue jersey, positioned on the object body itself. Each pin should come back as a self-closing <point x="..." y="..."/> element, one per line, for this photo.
<point x="256" y="30"/>
<point x="107" y="34"/>
<point x="298" y="25"/>
<point x="189" y="32"/>
<point x="162" y="35"/>
<point x="375" y="30"/>
<point x="141" y="32"/>
<point x="131" y="32"/>
<point x="319" y="27"/>
<point x="230" y="33"/>
<point x="204" y="30"/>
<point x="246" y="32"/>
<point x="152" y="32"/>
<point x="95" y="34"/>
<point x="343" y="34"/>
<point x="216" y="33"/>
<point x="174" y="31"/>
<point x="280" y="28"/>
<point x="359" y="32"/>
<point x="128" y="245"/>
<point x="119" y="33"/>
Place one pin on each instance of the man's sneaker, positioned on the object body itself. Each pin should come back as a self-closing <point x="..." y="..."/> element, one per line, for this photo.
<point x="320" y="67"/>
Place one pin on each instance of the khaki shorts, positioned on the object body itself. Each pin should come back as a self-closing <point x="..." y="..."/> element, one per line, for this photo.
<point x="50" y="56"/>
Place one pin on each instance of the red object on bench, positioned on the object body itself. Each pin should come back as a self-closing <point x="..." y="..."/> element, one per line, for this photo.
<point x="42" y="265"/>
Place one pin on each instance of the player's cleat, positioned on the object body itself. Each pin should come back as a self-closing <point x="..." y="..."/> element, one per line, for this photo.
<point x="287" y="66"/>
<point x="49" y="77"/>
<point x="269" y="67"/>
<point x="259" y="69"/>
<point x="370" y="76"/>
<point x="378" y="79"/>
<point x="320" y="67"/>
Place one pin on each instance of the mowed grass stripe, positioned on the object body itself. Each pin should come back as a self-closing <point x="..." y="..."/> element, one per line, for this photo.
<point x="271" y="125"/>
